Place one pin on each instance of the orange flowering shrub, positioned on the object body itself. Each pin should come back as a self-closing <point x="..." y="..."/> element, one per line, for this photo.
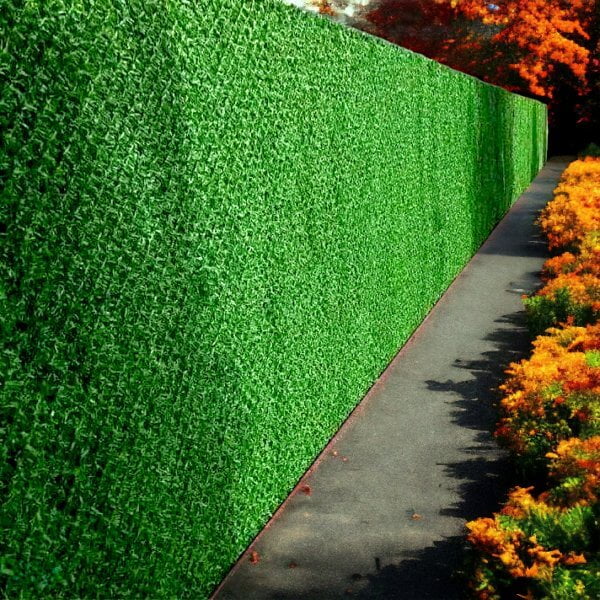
<point x="552" y="396"/>
<point x="575" y="209"/>
<point x="547" y="547"/>
<point x="584" y="288"/>
<point x="558" y="265"/>
<point x="575" y="468"/>
<point x="586" y="261"/>
<point x="569" y="297"/>
<point x="571" y="219"/>
<point x="532" y="549"/>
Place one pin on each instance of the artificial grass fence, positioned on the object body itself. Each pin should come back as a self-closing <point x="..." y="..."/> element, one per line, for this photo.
<point x="219" y="222"/>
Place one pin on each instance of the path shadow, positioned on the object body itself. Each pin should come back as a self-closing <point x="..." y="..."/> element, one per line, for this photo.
<point x="421" y="576"/>
<point x="475" y="405"/>
<point x="484" y="479"/>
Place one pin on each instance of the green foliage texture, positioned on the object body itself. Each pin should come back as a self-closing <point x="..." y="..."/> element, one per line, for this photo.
<point x="219" y="222"/>
<point x="550" y="311"/>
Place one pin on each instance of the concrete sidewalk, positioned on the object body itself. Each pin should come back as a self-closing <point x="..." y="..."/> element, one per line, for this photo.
<point x="384" y="513"/>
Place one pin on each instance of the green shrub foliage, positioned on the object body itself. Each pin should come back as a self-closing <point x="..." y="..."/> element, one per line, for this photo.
<point x="549" y="311"/>
<point x="219" y="222"/>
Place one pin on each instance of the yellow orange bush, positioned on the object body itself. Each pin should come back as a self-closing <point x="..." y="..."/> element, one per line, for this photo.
<point x="585" y="261"/>
<point x="545" y="546"/>
<point x="584" y="288"/>
<point x="572" y="279"/>
<point x="553" y="395"/>
<point x="575" y="209"/>
<point x="575" y="468"/>
<point x="524" y="546"/>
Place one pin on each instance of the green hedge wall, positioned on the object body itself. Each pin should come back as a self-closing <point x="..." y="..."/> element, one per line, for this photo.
<point x="219" y="222"/>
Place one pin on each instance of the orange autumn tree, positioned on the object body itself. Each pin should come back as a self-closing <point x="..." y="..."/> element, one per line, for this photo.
<point x="543" y="42"/>
<point x="549" y="36"/>
<point x="423" y="26"/>
<point x="548" y="49"/>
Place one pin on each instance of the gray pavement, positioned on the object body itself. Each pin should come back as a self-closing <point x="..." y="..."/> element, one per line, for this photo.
<point x="389" y="496"/>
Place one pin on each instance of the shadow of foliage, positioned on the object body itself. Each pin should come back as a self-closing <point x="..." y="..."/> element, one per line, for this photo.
<point x="435" y="572"/>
